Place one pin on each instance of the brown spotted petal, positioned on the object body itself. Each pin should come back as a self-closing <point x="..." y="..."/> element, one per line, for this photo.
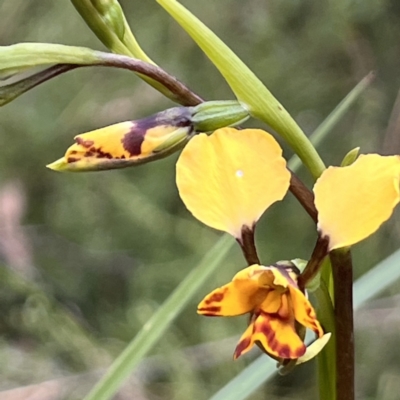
<point x="128" y="143"/>
<point x="235" y="298"/>
<point x="275" y="335"/>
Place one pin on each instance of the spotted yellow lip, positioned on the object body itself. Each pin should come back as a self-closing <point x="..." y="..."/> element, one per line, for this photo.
<point x="275" y="303"/>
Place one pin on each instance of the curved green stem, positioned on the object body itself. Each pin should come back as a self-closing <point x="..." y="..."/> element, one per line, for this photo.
<point x="247" y="87"/>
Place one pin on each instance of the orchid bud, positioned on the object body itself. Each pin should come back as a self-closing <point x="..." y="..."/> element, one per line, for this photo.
<point x="148" y="139"/>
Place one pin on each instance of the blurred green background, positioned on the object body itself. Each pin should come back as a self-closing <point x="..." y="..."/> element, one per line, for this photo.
<point x="87" y="258"/>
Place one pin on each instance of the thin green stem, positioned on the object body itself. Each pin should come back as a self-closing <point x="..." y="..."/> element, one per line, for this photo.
<point x="326" y="359"/>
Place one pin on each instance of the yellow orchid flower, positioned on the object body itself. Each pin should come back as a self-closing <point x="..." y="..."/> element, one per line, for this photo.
<point x="275" y="303"/>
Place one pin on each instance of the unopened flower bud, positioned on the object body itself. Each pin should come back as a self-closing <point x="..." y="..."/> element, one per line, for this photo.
<point x="112" y="14"/>
<point x="148" y="139"/>
<point x="128" y="143"/>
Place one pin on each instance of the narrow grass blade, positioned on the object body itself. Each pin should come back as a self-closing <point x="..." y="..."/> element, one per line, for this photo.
<point x="153" y="330"/>
<point x="335" y="116"/>
<point x="19" y="57"/>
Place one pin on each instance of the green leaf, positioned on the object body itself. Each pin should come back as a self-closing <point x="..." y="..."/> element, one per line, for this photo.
<point x="10" y="92"/>
<point x="154" y="329"/>
<point x="19" y="57"/>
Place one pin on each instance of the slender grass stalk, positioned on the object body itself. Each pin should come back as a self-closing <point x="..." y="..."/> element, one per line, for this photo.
<point x="153" y="330"/>
<point x="334" y="117"/>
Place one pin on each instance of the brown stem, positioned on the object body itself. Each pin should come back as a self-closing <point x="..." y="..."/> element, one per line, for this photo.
<point x="317" y="257"/>
<point x="304" y="195"/>
<point x="342" y="269"/>
<point x="182" y="93"/>
<point x="248" y="246"/>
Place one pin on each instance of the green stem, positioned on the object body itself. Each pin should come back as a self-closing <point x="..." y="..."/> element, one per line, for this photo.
<point x="127" y="46"/>
<point x="342" y="269"/>
<point x="247" y="87"/>
<point x="326" y="360"/>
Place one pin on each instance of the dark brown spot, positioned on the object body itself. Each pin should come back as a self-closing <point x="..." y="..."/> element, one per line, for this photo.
<point x="73" y="152"/>
<point x="209" y="311"/>
<point x="89" y="154"/>
<point x="72" y="159"/>
<point x="216" y="297"/>
<point x="132" y="141"/>
<point x="84" y="143"/>
<point x="101" y="154"/>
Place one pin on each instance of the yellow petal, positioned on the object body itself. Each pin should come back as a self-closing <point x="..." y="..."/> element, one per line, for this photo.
<point x="353" y="201"/>
<point x="304" y="312"/>
<point x="272" y="302"/>
<point x="227" y="180"/>
<point x="276" y="336"/>
<point x="276" y="277"/>
<point x="240" y="296"/>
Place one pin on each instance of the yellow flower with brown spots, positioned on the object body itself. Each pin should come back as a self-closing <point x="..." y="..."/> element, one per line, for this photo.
<point x="276" y="305"/>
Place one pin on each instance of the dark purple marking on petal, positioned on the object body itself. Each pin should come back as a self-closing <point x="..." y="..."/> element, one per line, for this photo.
<point x="84" y="143"/>
<point x="132" y="141"/>
<point x="215" y="298"/>
<point x="178" y="117"/>
<point x="241" y="346"/>
<point x="209" y="311"/>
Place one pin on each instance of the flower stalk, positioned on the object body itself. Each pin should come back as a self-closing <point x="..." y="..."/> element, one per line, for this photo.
<point x="248" y="246"/>
<point x="342" y="269"/>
